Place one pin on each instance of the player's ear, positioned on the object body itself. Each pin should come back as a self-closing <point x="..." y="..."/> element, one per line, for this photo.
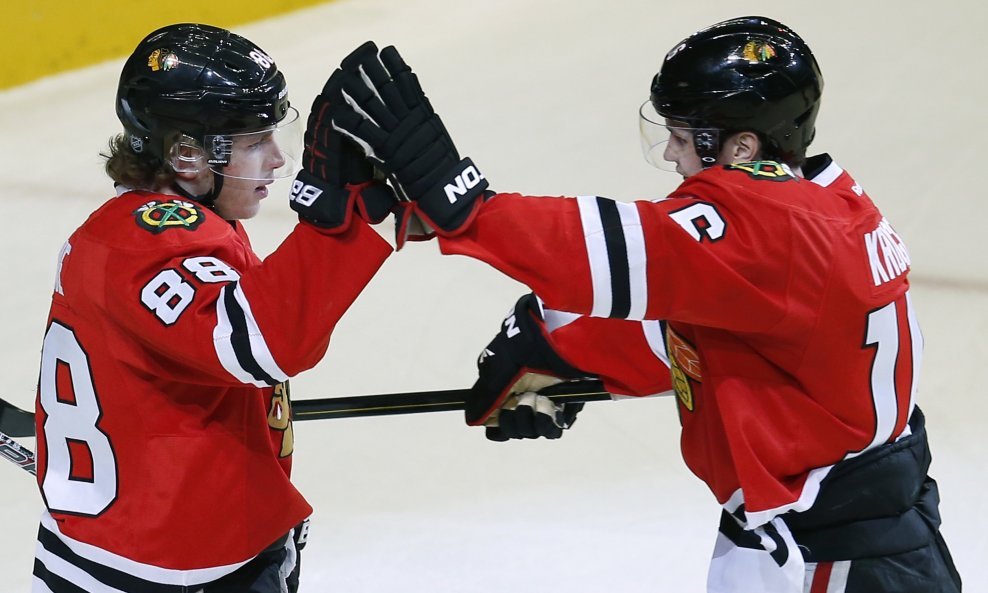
<point x="744" y="147"/>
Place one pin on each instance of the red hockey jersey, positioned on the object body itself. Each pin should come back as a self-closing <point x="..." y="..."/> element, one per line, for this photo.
<point x="789" y="332"/>
<point x="164" y="422"/>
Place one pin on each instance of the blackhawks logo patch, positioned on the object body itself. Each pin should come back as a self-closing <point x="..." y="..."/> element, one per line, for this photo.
<point x="158" y="216"/>
<point x="769" y="170"/>
<point x="684" y="365"/>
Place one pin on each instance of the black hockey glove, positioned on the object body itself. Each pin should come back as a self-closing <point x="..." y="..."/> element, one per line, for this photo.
<point x="336" y="179"/>
<point x="517" y="363"/>
<point x="390" y="117"/>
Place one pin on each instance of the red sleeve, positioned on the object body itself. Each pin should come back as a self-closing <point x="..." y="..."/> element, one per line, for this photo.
<point x="629" y="357"/>
<point x="212" y="312"/>
<point x="604" y="258"/>
<point x="305" y="286"/>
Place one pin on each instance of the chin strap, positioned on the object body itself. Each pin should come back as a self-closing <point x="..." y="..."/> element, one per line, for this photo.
<point x="207" y="199"/>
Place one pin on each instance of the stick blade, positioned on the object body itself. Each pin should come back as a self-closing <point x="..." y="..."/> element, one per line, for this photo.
<point x="14" y="421"/>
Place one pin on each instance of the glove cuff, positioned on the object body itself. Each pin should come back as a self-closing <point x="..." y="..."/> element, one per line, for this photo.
<point x="409" y="226"/>
<point x="520" y="347"/>
<point x="451" y="204"/>
<point x="374" y="200"/>
<point x="316" y="201"/>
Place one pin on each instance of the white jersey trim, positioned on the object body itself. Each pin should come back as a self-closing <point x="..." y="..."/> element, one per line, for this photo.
<point x="600" y="269"/>
<point x="655" y="336"/>
<point x="916" y="337"/>
<point x="556" y="319"/>
<point x="258" y="348"/>
<point x="828" y="175"/>
<point x="157" y="574"/>
<point x="634" y="238"/>
<point x="810" y="490"/>
<point x="70" y="573"/>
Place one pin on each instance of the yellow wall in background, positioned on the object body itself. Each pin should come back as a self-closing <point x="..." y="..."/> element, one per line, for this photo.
<point x="39" y="37"/>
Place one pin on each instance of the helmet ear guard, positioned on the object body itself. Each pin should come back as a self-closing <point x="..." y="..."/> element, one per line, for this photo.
<point x="186" y="156"/>
<point x="707" y="145"/>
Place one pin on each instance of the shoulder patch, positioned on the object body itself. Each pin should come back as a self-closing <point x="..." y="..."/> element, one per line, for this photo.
<point x="769" y="170"/>
<point x="684" y="365"/>
<point x="160" y="215"/>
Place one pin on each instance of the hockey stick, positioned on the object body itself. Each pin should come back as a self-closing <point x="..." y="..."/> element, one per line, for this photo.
<point x="17" y="422"/>
<point x="13" y="451"/>
<point x="415" y="402"/>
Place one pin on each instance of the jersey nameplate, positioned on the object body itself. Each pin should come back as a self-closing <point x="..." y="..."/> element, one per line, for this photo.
<point x="158" y="216"/>
<point x="769" y="170"/>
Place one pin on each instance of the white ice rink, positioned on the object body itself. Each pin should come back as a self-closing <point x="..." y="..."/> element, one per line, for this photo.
<point x="543" y="95"/>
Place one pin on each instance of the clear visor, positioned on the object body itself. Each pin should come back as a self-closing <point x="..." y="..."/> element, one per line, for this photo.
<point x="264" y="155"/>
<point x="664" y="143"/>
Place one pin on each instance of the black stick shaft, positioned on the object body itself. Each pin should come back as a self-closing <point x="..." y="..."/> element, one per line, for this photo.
<point x="15" y="422"/>
<point x="20" y="423"/>
<point x="417" y="402"/>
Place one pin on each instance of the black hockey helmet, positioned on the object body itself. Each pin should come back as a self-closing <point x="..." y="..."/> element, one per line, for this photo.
<point x="197" y="80"/>
<point x="744" y="74"/>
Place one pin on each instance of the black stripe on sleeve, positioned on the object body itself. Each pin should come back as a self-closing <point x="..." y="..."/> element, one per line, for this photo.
<point x="240" y="338"/>
<point x="104" y="574"/>
<point x="617" y="258"/>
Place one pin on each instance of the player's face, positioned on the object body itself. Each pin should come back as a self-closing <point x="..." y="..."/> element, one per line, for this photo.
<point x="247" y="177"/>
<point x="681" y="151"/>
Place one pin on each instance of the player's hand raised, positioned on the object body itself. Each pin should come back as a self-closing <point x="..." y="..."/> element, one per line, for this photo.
<point x="336" y="179"/>
<point x="389" y="115"/>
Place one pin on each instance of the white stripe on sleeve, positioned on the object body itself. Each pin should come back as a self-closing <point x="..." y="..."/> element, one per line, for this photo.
<point x="600" y="268"/>
<point x="634" y="240"/>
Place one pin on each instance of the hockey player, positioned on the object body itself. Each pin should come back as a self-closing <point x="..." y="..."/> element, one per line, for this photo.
<point x="768" y="283"/>
<point x="163" y="412"/>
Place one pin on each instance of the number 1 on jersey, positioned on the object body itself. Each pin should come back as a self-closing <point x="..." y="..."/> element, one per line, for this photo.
<point x="898" y="351"/>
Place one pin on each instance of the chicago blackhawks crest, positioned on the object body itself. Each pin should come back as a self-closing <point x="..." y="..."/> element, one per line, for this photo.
<point x="160" y="215"/>
<point x="769" y="170"/>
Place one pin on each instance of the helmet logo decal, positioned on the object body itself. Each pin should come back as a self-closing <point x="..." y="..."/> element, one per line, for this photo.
<point x="162" y="59"/>
<point x="157" y="216"/>
<point x="769" y="170"/>
<point x="136" y="144"/>
<point x="758" y="51"/>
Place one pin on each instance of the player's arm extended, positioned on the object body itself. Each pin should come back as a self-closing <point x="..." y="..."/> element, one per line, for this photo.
<point x="629" y="357"/>
<point x="212" y="313"/>
<point x="588" y="255"/>
<point x="599" y="257"/>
